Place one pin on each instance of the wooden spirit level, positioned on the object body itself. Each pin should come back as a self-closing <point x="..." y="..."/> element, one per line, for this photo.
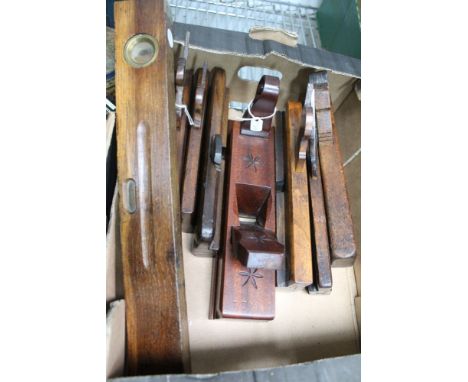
<point x="156" y="316"/>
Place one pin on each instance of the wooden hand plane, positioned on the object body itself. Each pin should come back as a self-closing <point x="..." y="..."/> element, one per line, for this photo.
<point x="297" y="213"/>
<point x="282" y="279"/>
<point x="308" y="150"/>
<point x="251" y="252"/>
<point x="156" y="316"/>
<point x="319" y="232"/>
<point x="194" y="145"/>
<point x="340" y="226"/>
<point x="210" y="194"/>
<point x="180" y="77"/>
<point x="183" y="81"/>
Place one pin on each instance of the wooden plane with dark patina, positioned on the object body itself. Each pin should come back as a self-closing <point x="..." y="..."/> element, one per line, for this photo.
<point x="339" y="221"/>
<point x="183" y="82"/>
<point x="193" y="151"/>
<point x="297" y="212"/>
<point x="210" y="194"/>
<point x="251" y="251"/>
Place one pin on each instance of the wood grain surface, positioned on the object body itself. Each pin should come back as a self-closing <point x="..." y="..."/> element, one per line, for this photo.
<point x="279" y="150"/>
<point x="156" y="317"/>
<point x="340" y="225"/>
<point x="218" y="239"/>
<point x="282" y="273"/>
<point x="210" y="174"/>
<point x="298" y="238"/>
<point x="192" y="161"/>
<point x="279" y="122"/>
<point x="215" y="245"/>
<point x="321" y="250"/>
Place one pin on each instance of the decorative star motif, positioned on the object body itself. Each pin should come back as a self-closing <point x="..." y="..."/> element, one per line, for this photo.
<point x="251" y="275"/>
<point x="262" y="239"/>
<point x="252" y="161"/>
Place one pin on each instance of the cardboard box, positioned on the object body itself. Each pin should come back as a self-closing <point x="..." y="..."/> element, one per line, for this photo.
<point x="306" y="327"/>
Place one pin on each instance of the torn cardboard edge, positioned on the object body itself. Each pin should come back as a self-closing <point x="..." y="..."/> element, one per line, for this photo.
<point x="268" y="33"/>
<point x="223" y="41"/>
<point x="234" y="50"/>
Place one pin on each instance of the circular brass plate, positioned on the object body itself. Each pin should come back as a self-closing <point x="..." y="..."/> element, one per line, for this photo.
<point x="141" y="50"/>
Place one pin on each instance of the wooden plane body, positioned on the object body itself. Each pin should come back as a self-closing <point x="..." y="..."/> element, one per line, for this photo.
<point x="251" y="252"/>
<point x="340" y="226"/>
<point x="183" y="126"/>
<point x="297" y="211"/>
<point x="193" y="152"/>
<point x="248" y="292"/>
<point x="209" y="204"/>
<point x="323" y="280"/>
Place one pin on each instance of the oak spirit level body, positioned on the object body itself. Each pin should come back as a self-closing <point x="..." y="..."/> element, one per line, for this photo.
<point x="156" y="317"/>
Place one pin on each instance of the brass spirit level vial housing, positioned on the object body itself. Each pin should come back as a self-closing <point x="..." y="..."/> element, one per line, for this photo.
<point x="141" y="50"/>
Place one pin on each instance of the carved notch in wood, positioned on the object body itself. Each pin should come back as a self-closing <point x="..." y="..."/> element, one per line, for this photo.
<point x="340" y="225"/>
<point x="245" y="290"/>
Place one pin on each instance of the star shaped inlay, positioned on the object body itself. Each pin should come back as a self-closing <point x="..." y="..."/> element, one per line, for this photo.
<point x="252" y="161"/>
<point x="251" y="275"/>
